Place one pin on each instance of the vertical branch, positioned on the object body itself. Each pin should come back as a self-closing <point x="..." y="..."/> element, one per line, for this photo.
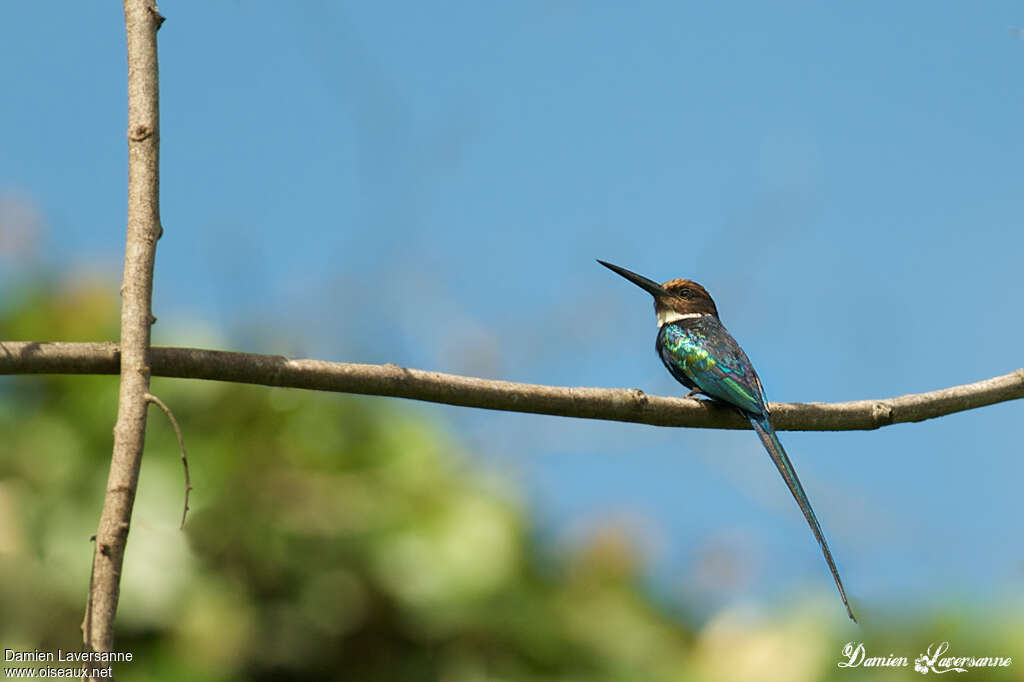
<point x="141" y="24"/>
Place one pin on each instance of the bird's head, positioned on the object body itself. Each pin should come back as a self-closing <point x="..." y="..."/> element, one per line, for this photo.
<point x="676" y="299"/>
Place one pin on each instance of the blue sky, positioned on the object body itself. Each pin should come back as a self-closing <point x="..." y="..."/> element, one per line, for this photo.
<point x="429" y="185"/>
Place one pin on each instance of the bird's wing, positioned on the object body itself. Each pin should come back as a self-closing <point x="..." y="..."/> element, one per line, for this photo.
<point x="703" y="354"/>
<point x="711" y="359"/>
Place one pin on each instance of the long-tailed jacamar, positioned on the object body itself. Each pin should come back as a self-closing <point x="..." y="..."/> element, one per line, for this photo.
<point x="704" y="357"/>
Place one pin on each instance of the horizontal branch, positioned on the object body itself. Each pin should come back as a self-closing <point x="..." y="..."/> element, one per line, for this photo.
<point x="626" y="405"/>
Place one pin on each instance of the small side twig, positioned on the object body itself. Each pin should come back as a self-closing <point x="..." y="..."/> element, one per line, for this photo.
<point x="87" y="619"/>
<point x="150" y="398"/>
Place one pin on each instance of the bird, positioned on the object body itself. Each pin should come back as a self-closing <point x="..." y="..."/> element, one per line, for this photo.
<point x="701" y="355"/>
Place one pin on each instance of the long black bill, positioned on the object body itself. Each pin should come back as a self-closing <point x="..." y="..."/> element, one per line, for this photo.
<point x="648" y="285"/>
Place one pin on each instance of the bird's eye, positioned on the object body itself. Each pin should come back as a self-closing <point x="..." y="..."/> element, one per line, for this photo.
<point x="684" y="293"/>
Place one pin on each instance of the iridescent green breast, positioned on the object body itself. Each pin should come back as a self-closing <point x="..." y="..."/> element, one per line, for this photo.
<point x="704" y="356"/>
<point x="687" y="353"/>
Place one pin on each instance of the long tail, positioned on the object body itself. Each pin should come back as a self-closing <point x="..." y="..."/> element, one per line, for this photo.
<point x="774" y="447"/>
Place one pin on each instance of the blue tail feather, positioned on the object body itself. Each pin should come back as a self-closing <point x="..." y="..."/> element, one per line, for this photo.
<point x="764" y="428"/>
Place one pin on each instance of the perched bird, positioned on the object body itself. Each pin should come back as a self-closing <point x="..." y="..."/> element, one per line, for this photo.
<point x="703" y="356"/>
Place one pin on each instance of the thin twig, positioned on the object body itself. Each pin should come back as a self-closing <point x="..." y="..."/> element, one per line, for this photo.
<point x="86" y="620"/>
<point x="143" y="230"/>
<point x="181" y="446"/>
<point x="626" y="405"/>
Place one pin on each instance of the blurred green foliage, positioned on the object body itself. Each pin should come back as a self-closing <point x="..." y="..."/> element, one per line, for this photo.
<point x="342" y="538"/>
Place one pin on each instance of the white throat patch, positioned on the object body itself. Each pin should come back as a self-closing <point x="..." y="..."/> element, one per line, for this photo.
<point x="670" y="316"/>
